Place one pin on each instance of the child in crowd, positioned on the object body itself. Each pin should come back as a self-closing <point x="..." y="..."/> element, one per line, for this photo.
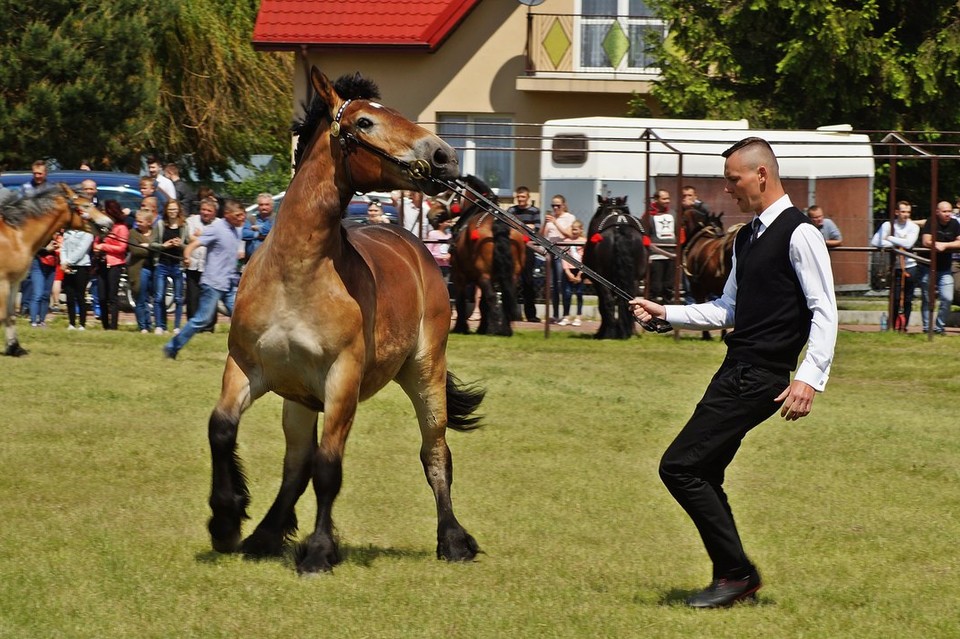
<point x="572" y="277"/>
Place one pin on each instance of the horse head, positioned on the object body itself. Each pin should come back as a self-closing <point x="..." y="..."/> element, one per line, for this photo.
<point x="694" y="219"/>
<point x="609" y="204"/>
<point x="611" y="211"/>
<point x="378" y="148"/>
<point x="84" y="215"/>
<point x="460" y="204"/>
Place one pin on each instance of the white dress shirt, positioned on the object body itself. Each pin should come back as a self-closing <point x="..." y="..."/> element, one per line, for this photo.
<point x="811" y="261"/>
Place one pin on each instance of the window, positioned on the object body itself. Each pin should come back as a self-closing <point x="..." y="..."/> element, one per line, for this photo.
<point x="484" y="143"/>
<point x="617" y="35"/>
<point x="569" y="149"/>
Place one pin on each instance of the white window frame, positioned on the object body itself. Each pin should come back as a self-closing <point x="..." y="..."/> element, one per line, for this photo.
<point x="626" y="21"/>
<point x="476" y="137"/>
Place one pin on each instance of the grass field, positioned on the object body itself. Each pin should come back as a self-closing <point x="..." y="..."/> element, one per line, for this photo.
<point x="851" y="514"/>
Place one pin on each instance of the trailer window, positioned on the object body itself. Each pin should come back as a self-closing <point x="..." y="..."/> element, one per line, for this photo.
<point x="569" y="149"/>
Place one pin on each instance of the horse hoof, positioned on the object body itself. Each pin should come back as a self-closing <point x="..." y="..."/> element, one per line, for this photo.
<point x="260" y="545"/>
<point x="224" y="536"/>
<point x="226" y="546"/>
<point x="457" y="545"/>
<point x="15" y="350"/>
<point x="312" y="557"/>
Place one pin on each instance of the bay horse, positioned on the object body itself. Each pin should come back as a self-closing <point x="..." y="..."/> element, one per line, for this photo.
<point x="484" y="252"/>
<point x="327" y="314"/>
<point x="617" y="249"/>
<point x="707" y="254"/>
<point x="28" y="222"/>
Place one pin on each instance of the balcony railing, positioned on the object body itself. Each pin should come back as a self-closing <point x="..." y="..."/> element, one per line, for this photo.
<point x="564" y="44"/>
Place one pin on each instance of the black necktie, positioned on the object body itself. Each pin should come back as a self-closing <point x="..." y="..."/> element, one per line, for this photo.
<point x="755" y="230"/>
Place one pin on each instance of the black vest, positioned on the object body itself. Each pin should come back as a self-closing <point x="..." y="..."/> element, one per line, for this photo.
<point x="771" y="322"/>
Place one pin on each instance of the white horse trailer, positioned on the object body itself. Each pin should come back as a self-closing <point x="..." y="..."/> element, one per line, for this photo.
<point x="582" y="158"/>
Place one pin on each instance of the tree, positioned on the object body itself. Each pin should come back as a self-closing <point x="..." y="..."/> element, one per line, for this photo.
<point x="220" y="100"/>
<point x="71" y="82"/>
<point x="112" y="80"/>
<point x="879" y="65"/>
<point x="890" y="65"/>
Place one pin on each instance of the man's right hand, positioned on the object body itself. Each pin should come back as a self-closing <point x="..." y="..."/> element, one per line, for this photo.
<point x="645" y="310"/>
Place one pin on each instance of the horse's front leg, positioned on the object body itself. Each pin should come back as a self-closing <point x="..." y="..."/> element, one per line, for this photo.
<point x="280" y="522"/>
<point x="228" y="493"/>
<point x="9" y="317"/>
<point x="319" y="552"/>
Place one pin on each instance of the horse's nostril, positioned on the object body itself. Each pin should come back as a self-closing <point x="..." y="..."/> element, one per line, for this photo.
<point x="440" y="157"/>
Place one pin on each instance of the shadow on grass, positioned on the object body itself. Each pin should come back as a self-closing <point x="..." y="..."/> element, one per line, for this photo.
<point x="363" y="556"/>
<point x="677" y="597"/>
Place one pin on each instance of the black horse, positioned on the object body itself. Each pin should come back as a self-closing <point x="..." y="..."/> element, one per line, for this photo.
<point x="617" y="249"/>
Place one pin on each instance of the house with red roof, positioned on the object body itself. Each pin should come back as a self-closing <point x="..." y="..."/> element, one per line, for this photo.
<point x="484" y="74"/>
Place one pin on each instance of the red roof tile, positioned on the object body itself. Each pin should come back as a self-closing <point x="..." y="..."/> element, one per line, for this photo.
<point x="419" y="24"/>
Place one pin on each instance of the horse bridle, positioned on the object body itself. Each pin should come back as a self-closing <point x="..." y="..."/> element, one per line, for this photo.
<point x="417" y="170"/>
<point x="77" y="209"/>
<point x="654" y="325"/>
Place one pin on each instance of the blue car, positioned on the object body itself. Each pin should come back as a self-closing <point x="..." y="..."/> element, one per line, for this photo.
<point x="122" y="187"/>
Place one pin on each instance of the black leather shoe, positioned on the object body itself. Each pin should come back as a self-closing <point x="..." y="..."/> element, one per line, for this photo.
<point x="726" y="592"/>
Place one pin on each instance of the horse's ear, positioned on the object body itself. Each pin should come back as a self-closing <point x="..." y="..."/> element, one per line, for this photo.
<point x="625" y="198"/>
<point x="67" y="191"/>
<point x="599" y="199"/>
<point x="323" y="88"/>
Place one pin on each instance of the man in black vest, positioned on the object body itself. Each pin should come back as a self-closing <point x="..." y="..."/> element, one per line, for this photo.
<point x="779" y="297"/>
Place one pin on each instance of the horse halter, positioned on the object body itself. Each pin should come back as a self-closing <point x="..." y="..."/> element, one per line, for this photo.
<point x="78" y="209"/>
<point x="417" y="170"/>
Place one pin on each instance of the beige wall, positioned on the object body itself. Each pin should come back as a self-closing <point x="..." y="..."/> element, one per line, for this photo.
<point x="475" y="71"/>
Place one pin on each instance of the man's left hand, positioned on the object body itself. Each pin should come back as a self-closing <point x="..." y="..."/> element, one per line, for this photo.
<point x="797" y="400"/>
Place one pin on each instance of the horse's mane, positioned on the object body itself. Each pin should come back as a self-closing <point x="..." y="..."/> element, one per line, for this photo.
<point x="16" y="208"/>
<point x="480" y="186"/>
<point x="348" y="87"/>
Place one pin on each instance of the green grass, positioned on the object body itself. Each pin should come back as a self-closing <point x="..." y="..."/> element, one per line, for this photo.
<point x="851" y="513"/>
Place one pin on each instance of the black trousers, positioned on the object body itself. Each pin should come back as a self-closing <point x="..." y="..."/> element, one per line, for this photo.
<point x="739" y="397"/>
<point x="75" y="286"/>
<point x="661" y="281"/>
<point x="527" y="285"/>
<point x="109" y="281"/>
<point x="907" y="280"/>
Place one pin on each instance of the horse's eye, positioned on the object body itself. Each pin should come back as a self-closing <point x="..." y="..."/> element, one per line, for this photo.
<point x="364" y="123"/>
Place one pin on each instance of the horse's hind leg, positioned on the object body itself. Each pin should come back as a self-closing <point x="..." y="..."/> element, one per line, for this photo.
<point x="228" y="493"/>
<point x="426" y="388"/>
<point x="280" y="522"/>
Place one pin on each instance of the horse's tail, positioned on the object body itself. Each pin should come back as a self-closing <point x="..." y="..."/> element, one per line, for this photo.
<point x="502" y="256"/>
<point x="462" y="401"/>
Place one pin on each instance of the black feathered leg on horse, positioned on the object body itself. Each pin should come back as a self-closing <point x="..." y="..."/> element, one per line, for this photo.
<point x="627" y="274"/>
